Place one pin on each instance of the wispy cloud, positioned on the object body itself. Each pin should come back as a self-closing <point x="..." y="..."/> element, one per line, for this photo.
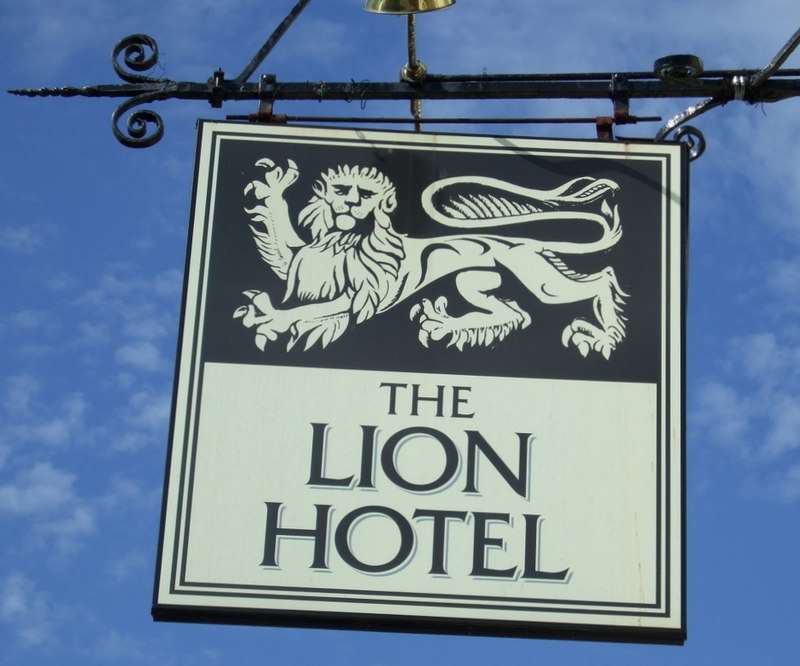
<point x="127" y="492"/>
<point x="19" y="239"/>
<point x="784" y="279"/>
<point x="38" y="490"/>
<point x="129" y="564"/>
<point x="753" y="410"/>
<point x="19" y="391"/>
<point x="113" y="646"/>
<point x="149" y="411"/>
<point x="25" y="609"/>
<point x="787" y="486"/>
<point x="61" y="429"/>
<point x="64" y="535"/>
<point x="142" y="355"/>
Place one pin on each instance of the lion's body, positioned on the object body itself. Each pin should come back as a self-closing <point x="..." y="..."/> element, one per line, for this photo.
<point x="358" y="266"/>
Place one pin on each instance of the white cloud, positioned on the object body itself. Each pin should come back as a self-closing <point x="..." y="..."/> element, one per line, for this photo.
<point x="61" y="281"/>
<point x="783" y="435"/>
<point x="784" y="278"/>
<point x="28" y="318"/>
<point x="94" y="334"/>
<point x="35" y="350"/>
<point x="19" y="239"/>
<point x="148" y="328"/>
<point x="121" y="288"/>
<point x="788" y="485"/>
<point x="113" y="646"/>
<point x="40" y="489"/>
<point x="776" y="187"/>
<point x="142" y="355"/>
<point x="56" y="32"/>
<point x="127" y="492"/>
<point x="759" y="355"/>
<point x="127" y="309"/>
<point x="127" y="565"/>
<point x="725" y="414"/>
<point x="149" y="411"/>
<point x="168" y="284"/>
<point x="64" y="533"/>
<point x="132" y="440"/>
<point x="60" y="430"/>
<point x="19" y="391"/>
<point x="26" y="609"/>
<point x="754" y="411"/>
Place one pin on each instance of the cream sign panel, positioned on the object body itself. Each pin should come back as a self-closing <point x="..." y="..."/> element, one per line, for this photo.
<point x="429" y="382"/>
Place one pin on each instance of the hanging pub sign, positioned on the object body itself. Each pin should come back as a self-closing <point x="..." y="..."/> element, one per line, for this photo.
<point x="430" y="383"/>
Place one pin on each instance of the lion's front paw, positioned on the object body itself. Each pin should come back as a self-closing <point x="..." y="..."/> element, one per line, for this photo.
<point x="587" y="337"/>
<point x="260" y="313"/>
<point x="276" y="179"/>
<point x="434" y="321"/>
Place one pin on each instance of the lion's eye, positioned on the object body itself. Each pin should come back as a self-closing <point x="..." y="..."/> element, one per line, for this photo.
<point x="365" y="194"/>
<point x="341" y="189"/>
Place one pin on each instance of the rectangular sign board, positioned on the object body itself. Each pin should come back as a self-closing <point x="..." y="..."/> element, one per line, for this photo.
<point x="430" y="383"/>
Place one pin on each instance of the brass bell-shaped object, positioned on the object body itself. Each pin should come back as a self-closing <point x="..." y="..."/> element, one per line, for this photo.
<point x="405" y="6"/>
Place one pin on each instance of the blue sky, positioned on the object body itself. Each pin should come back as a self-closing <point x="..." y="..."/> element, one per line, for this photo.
<point x="92" y="239"/>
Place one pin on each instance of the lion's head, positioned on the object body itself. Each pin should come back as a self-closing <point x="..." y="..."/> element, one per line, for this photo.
<point x="346" y="197"/>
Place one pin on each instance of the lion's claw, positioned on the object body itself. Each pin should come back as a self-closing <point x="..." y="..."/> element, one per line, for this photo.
<point x="587" y="337"/>
<point x="261" y="314"/>
<point x="434" y="321"/>
<point x="276" y="179"/>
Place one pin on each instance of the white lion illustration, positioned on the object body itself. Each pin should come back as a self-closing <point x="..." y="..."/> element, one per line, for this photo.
<point x="357" y="266"/>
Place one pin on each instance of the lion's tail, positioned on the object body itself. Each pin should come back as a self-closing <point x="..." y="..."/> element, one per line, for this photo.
<point x="612" y="232"/>
<point x="481" y="202"/>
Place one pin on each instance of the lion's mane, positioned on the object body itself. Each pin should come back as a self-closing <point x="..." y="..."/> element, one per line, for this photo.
<point x="365" y="265"/>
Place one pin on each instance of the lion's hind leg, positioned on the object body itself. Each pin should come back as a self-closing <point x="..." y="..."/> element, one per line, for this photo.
<point x="607" y="301"/>
<point x="492" y="322"/>
<point x="552" y="281"/>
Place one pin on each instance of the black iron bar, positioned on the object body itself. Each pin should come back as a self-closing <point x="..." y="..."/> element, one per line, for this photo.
<point x="773" y="89"/>
<point x="598" y="76"/>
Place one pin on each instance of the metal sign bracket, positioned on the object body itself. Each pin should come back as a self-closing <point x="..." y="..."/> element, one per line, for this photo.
<point x="676" y="76"/>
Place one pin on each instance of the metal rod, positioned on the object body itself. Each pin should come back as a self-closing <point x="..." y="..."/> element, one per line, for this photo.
<point x="770" y="70"/>
<point x="772" y="90"/>
<point x="274" y="38"/>
<point x="415" y="71"/>
<point x="687" y="115"/>
<point x="598" y="76"/>
<point x="280" y="118"/>
<point x="412" y="42"/>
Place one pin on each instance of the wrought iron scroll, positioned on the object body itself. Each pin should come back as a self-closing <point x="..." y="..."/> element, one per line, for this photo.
<point x="144" y="127"/>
